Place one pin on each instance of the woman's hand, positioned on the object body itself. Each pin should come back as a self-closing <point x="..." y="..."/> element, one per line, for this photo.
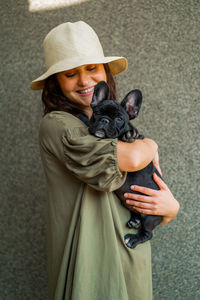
<point x="156" y="162"/>
<point x="154" y="202"/>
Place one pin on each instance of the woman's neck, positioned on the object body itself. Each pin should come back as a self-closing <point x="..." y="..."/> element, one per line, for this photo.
<point x="87" y="112"/>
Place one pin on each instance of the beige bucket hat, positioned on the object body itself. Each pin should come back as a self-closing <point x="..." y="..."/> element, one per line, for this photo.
<point x="71" y="45"/>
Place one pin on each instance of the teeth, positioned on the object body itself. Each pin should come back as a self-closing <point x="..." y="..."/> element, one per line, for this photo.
<point x="86" y="91"/>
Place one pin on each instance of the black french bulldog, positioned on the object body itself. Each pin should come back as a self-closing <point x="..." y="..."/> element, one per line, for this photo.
<point x="111" y="120"/>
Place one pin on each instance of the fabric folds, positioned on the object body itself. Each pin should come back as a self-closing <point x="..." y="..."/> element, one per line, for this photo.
<point x="86" y="222"/>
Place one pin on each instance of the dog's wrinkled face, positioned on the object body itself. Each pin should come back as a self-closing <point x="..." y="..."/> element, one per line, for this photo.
<point x="110" y="119"/>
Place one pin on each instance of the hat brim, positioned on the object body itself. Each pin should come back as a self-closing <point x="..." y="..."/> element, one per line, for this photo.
<point x="117" y="65"/>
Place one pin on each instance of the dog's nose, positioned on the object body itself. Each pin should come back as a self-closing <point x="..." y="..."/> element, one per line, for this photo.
<point x="104" y="121"/>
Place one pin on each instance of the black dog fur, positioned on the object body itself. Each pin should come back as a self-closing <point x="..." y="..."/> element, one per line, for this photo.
<point x="111" y="120"/>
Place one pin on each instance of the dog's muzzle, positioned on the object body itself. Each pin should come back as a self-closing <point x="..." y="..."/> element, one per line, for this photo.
<point x="100" y="133"/>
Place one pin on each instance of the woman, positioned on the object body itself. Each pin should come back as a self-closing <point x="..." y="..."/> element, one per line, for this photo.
<point x="86" y="223"/>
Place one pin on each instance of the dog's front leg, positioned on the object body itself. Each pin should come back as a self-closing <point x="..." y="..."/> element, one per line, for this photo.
<point x="127" y="137"/>
<point x="130" y="135"/>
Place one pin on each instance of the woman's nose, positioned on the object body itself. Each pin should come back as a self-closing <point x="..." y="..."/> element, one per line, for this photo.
<point x="83" y="79"/>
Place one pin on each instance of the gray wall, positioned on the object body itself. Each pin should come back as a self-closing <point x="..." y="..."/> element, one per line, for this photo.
<point x="161" y="41"/>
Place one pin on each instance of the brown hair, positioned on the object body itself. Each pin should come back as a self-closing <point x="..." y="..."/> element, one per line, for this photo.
<point x="53" y="98"/>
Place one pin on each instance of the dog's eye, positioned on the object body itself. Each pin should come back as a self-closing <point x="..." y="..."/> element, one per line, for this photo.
<point x="119" y="119"/>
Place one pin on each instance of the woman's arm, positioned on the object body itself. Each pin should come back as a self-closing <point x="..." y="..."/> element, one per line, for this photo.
<point x="135" y="156"/>
<point x="154" y="202"/>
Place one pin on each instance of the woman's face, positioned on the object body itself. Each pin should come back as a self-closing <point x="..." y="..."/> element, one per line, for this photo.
<point x="78" y="84"/>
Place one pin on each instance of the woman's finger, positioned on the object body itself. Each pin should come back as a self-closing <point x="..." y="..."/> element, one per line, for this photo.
<point x="159" y="182"/>
<point x="139" y="204"/>
<point x="137" y="197"/>
<point x="143" y="190"/>
<point x="158" y="168"/>
<point x="143" y="210"/>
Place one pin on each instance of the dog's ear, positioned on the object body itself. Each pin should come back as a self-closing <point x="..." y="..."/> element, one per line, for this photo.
<point x="132" y="103"/>
<point x="101" y="93"/>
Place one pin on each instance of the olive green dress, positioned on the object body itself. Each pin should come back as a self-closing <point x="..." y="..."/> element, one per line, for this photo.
<point x="86" y="223"/>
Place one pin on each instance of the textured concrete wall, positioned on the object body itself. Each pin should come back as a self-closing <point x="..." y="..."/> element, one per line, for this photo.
<point x="161" y="41"/>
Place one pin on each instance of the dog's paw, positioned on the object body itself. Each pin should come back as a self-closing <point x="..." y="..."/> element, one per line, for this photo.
<point x="131" y="240"/>
<point x="136" y="224"/>
<point x="140" y="137"/>
<point x="128" y="137"/>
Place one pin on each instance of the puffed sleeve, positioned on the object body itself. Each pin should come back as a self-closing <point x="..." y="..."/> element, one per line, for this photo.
<point x="90" y="159"/>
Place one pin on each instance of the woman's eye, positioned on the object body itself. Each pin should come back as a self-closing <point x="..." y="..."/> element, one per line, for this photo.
<point x="92" y="68"/>
<point x="70" y="75"/>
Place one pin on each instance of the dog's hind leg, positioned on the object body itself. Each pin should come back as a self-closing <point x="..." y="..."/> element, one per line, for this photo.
<point x="148" y="223"/>
<point x="134" y="221"/>
<point x="132" y="240"/>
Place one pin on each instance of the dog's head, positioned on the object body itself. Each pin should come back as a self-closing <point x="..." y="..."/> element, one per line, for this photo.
<point x="110" y="119"/>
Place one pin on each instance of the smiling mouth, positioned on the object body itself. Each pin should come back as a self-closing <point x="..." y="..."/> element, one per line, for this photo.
<point x="86" y="91"/>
